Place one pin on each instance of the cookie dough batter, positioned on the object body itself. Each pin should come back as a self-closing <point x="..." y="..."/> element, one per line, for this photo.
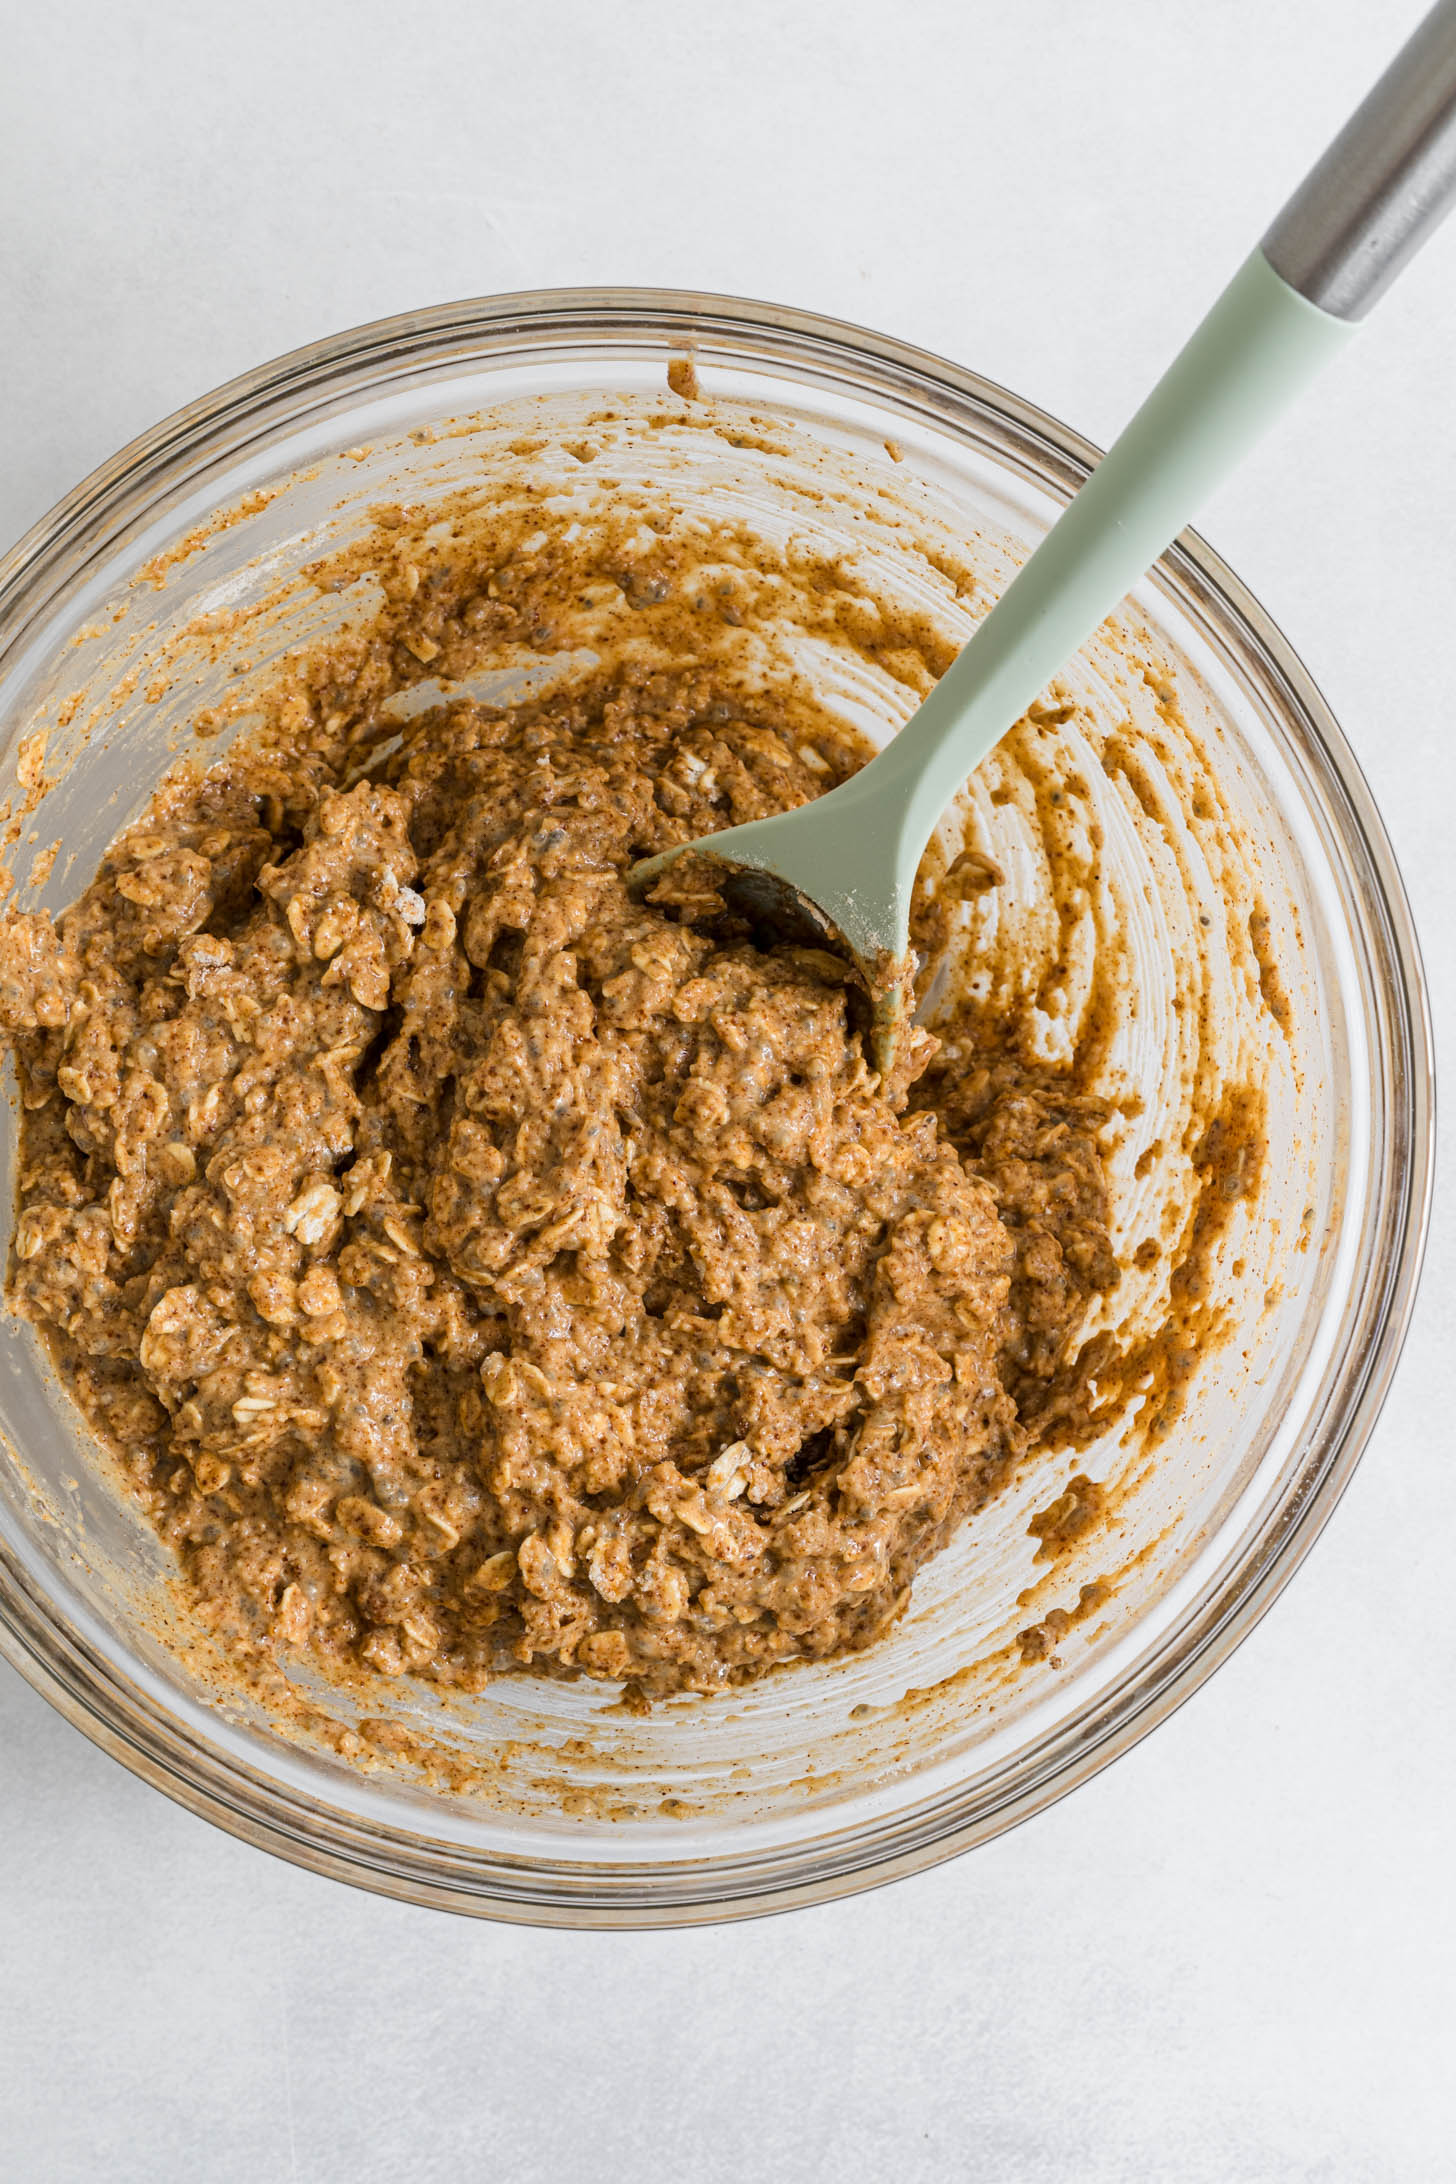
<point x="478" y="1270"/>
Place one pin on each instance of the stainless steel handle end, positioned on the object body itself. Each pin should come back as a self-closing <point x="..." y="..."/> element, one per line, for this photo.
<point x="1385" y="183"/>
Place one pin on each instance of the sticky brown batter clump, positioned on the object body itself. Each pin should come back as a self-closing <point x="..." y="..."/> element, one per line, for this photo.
<point x="477" y="1269"/>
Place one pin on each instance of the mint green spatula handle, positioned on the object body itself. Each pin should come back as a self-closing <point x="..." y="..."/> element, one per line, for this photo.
<point x="1364" y="209"/>
<point x="1256" y="349"/>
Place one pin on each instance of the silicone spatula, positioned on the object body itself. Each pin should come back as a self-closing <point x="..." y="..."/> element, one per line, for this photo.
<point x="840" y="870"/>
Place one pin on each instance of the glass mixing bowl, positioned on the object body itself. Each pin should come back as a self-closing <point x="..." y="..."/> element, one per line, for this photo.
<point x="547" y="1801"/>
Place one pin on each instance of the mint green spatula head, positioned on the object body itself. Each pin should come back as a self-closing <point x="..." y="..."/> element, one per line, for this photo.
<point x="842" y="869"/>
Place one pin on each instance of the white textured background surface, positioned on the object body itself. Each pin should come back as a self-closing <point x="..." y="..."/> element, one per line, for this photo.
<point x="1230" y="1957"/>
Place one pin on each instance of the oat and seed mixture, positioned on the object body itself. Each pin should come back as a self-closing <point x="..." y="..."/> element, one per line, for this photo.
<point x="478" y="1270"/>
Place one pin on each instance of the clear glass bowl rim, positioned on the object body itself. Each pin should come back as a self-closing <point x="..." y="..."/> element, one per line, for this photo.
<point x="326" y="376"/>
